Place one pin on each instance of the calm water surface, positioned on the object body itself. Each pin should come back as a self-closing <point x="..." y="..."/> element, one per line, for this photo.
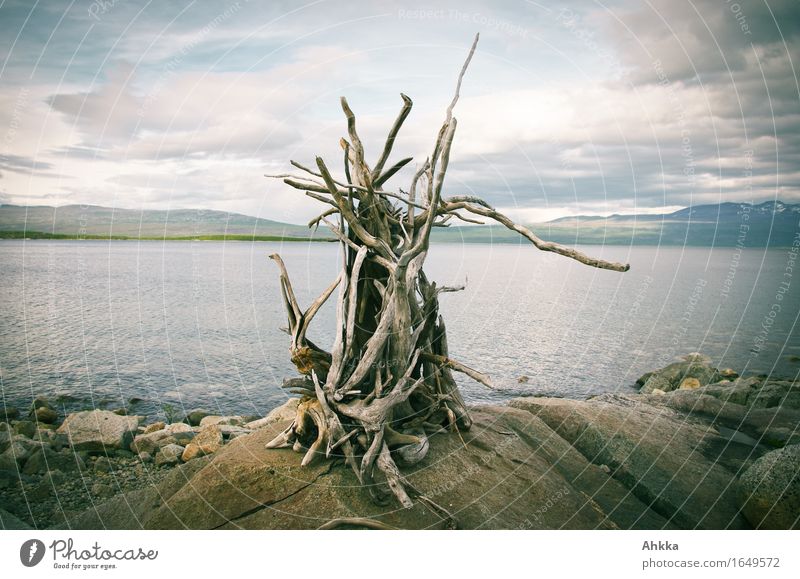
<point x="196" y="324"/>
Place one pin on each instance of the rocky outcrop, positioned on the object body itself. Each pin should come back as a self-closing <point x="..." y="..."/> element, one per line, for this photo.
<point x="766" y="409"/>
<point x="667" y="462"/>
<point x="612" y="462"/>
<point x="697" y="452"/>
<point x="693" y="371"/>
<point x="99" y="430"/>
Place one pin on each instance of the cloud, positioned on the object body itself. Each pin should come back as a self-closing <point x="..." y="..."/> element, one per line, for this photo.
<point x="21" y="164"/>
<point x="573" y="109"/>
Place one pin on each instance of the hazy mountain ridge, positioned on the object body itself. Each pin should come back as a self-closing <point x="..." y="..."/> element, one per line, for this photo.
<point x="769" y="224"/>
<point x="95" y="220"/>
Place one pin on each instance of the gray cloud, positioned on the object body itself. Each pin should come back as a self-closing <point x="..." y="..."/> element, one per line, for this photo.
<point x="21" y="164"/>
<point x="567" y="107"/>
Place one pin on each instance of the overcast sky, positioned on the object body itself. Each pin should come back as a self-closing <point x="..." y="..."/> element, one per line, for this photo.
<point x="569" y="107"/>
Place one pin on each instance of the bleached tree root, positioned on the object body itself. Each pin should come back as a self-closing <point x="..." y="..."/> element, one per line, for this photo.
<point x="386" y="385"/>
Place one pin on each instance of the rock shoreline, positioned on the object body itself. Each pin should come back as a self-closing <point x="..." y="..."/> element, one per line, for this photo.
<point x="698" y="447"/>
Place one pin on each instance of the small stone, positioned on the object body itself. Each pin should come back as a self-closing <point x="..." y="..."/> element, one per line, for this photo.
<point x="208" y="441"/>
<point x="156" y="426"/>
<point x="689" y="384"/>
<point x="169" y="454"/>
<point x="728" y="374"/>
<point x="25" y="428"/>
<point x="191" y="452"/>
<point x="658" y="392"/>
<point x="145" y="457"/>
<point x="195" y="416"/>
<point x="605" y="468"/>
<point x="102" y="464"/>
<point x="523" y="379"/>
<point x="151" y="442"/>
<point x="40" y="402"/>
<point x="45" y="415"/>
<point x="120" y="411"/>
<point x="178" y="427"/>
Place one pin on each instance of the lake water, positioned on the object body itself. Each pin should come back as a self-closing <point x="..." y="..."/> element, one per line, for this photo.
<point x="196" y="324"/>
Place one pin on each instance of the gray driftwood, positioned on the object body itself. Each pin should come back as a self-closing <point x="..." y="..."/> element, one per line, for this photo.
<point x="386" y="384"/>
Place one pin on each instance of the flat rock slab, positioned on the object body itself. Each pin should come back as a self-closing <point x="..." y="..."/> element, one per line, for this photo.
<point x="669" y="461"/>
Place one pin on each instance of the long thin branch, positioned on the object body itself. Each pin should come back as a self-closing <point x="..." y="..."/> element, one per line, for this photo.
<point x="536" y="240"/>
<point x="387" y="148"/>
<point x="292" y="306"/>
<point x="461" y="77"/>
<point x="386" y="175"/>
<point x="458" y="367"/>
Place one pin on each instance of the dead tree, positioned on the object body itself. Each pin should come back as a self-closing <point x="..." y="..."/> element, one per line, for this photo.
<point x="386" y="386"/>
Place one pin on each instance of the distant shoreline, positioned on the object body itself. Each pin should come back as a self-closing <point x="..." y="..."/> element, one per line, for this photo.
<point x="41" y="236"/>
<point x="38" y="235"/>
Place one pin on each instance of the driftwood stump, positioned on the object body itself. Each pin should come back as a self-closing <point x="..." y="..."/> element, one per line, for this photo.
<point x="386" y="386"/>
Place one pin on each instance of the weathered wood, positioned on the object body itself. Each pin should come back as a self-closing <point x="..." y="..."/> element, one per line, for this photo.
<point x="386" y="386"/>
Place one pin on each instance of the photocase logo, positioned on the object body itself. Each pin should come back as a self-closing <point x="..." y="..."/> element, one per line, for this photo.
<point x="31" y="553"/>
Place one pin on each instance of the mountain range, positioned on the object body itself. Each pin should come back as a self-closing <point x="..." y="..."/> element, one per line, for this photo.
<point x="769" y="224"/>
<point x="93" y="221"/>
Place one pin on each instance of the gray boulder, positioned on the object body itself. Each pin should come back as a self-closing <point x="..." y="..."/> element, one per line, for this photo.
<point x="769" y="491"/>
<point x="45" y="460"/>
<point x="44" y="415"/>
<point x="195" y="416"/>
<point x="99" y="430"/>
